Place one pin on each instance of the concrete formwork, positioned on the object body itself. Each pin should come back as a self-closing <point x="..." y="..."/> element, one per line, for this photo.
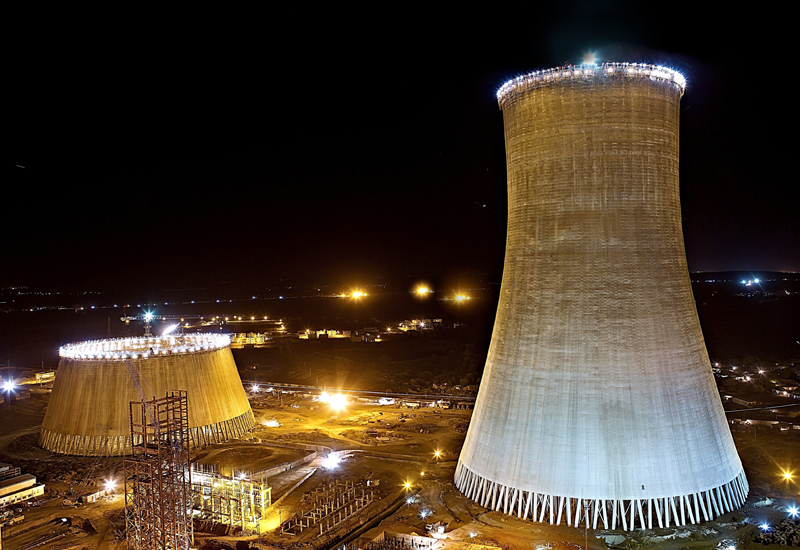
<point x="597" y="403"/>
<point x="88" y="412"/>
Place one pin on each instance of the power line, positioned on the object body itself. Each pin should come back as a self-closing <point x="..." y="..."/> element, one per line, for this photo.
<point x="764" y="408"/>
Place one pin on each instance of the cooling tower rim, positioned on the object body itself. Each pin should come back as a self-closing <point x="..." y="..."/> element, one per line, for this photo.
<point x="588" y="73"/>
<point x="143" y="347"/>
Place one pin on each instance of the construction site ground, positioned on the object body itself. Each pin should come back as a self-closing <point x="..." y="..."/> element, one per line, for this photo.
<point x="389" y="445"/>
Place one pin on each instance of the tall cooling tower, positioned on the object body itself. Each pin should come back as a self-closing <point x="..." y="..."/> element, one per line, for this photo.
<point x="598" y="403"/>
<point x="88" y="412"/>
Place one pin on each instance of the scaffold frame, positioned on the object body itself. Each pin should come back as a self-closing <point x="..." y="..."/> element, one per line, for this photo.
<point x="238" y="501"/>
<point x="157" y="475"/>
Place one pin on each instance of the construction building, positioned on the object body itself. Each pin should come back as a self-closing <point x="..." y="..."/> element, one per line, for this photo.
<point x="597" y="405"/>
<point x="238" y="501"/>
<point x="17" y="487"/>
<point x="88" y="411"/>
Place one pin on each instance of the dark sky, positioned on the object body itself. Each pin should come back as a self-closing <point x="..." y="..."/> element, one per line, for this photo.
<point x="189" y="147"/>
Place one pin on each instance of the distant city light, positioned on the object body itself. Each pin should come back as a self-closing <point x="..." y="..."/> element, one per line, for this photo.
<point x="170" y="329"/>
<point x="423" y="290"/>
<point x="589" y="58"/>
<point x="359" y="294"/>
<point x="461" y="297"/>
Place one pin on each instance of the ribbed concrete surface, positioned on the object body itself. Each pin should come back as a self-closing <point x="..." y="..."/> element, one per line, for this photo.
<point x="88" y="411"/>
<point x="597" y="383"/>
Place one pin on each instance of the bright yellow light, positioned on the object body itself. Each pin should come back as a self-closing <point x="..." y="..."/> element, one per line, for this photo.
<point x="337" y="401"/>
<point x="437" y="453"/>
<point x="787" y="476"/>
<point x="359" y="294"/>
<point x="422" y="474"/>
<point x="461" y="298"/>
<point x="407" y="485"/>
<point x="271" y="522"/>
<point x="423" y="290"/>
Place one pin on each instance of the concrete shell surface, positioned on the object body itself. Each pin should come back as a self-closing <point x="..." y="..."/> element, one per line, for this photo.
<point x="88" y="412"/>
<point x="597" y="402"/>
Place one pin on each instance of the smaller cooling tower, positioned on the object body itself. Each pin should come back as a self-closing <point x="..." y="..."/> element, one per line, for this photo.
<point x="88" y="412"/>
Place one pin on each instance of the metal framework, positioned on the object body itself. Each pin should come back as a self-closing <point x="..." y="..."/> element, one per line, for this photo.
<point x="236" y="501"/>
<point x="157" y="476"/>
<point x="332" y="504"/>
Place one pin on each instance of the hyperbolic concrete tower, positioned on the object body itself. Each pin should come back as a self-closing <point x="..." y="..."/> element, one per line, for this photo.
<point x="89" y="413"/>
<point x="598" y="402"/>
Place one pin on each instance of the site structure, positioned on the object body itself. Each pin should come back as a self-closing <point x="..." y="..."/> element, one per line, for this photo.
<point x="157" y="475"/>
<point x="239" y="501"/>
<point x="597" y="404"/>
<point x="95" y="381"/>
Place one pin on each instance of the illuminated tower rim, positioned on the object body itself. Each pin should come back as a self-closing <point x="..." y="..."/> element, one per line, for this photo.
<point x="142" y="347"/>
<point x="576" y="73"/>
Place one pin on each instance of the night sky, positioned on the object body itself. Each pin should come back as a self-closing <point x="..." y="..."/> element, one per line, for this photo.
<point x="189" y="148"/>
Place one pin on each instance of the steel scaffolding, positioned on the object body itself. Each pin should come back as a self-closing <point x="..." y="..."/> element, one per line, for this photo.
<point x="236" y="501"/>
<point x="157" y="476"/>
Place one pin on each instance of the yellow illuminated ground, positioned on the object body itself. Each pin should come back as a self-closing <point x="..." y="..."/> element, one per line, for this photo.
<point x="390" y="449"/>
